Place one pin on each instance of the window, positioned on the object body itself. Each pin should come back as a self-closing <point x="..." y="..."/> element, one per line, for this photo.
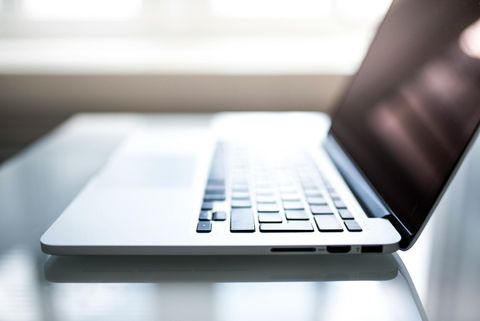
<point x="248" y="54"/>
<point x="226" y="36"/>
<point x="187" y="17"/>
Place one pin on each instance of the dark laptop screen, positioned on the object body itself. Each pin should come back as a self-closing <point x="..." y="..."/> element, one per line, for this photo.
<point x="414" y="104"/>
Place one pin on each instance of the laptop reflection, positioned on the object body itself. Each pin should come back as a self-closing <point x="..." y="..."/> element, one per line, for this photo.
<point x="281" y="268"/>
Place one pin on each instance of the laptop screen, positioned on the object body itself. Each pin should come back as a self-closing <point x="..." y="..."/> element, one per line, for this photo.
<point x="414" y="104"/>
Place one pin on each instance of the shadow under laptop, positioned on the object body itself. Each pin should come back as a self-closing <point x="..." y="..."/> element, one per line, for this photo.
<point x="284" y="287"/>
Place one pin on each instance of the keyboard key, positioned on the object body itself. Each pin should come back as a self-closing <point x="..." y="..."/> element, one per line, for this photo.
<point x="290" y="197"/>
<point x="241" y="203"/>
<point x="307" y="178"/>
<point x="269" y="218"/>
<point x="339" y="204"/>
<point x="321" y="209"/>
<point x="264" y="192"/>
<point x="207" y="206"/>
<point x="290" y="189"/>
<point x="352" y="226"/>
<point x="345" y="214"/>
<point x="263" y="184"/>
<point x="215" y="189"/>
<point x="330" y="189"/>
<point x="267" y="208"/>
<point x="205" y="216"/>
<point x="242" y="184"/>
<point x="292" y="226"/>
<point x="240" y="188"/>
<point x="328" y="223"/>
<point x="219" y="216"/>
<point x="313" y="193"/>
<point x="335" y="197"/>
<point x="293" y="206"/>
<point x="241" y="220"/>
<point x="296" y="215"/>
<point x="204" y="227"/>
<point x="309" y="186"/>
<point x="240" y="195"/>
<point x="215" y="181"/>
<point x="316" y="201"/>
<point x="214" y="197"/>
<point x="266" y="199"/>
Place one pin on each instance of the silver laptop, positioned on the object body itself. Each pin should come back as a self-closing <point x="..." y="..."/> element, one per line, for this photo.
<point x="297" y="183"/>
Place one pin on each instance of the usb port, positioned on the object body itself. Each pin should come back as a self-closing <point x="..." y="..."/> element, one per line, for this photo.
<point x="339" y="248"/>
<point x="372" y="249"/>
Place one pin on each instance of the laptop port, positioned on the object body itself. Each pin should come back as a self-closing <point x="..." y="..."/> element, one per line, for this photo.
<point x="372" y="249"/>
<point x="292" y="249"/>
<point x="339" y="248"/>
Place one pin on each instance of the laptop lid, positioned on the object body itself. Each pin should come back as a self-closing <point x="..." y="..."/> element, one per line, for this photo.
<point x="414" y="106"/>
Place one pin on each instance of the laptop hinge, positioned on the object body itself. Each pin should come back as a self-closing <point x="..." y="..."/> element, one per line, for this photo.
<point x="372" y="203"/>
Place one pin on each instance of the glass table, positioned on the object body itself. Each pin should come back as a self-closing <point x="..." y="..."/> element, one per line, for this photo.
<point x="437" y="279"/>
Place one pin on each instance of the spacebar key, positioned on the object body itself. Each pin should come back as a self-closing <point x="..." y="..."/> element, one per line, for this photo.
<point x="292" y="226"/>
<point x="241" y="220"/>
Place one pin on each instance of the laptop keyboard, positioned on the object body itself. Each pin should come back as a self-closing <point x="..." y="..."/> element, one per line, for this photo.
<point x="272" y="190"/>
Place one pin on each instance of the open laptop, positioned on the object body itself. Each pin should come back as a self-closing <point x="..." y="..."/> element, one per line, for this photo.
<point x="369" y="185"/>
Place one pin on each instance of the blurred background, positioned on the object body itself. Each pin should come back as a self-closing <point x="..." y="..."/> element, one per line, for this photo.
<point x="60" y="57"/>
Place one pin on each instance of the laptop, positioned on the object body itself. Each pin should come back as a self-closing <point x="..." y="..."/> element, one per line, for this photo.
<point x="365" y="181"/>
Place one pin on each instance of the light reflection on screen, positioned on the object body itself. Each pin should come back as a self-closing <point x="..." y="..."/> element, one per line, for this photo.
<point x="408" y="138"/>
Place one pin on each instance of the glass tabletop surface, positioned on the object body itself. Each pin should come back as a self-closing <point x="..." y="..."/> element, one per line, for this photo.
<point x="436" y="280"/>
